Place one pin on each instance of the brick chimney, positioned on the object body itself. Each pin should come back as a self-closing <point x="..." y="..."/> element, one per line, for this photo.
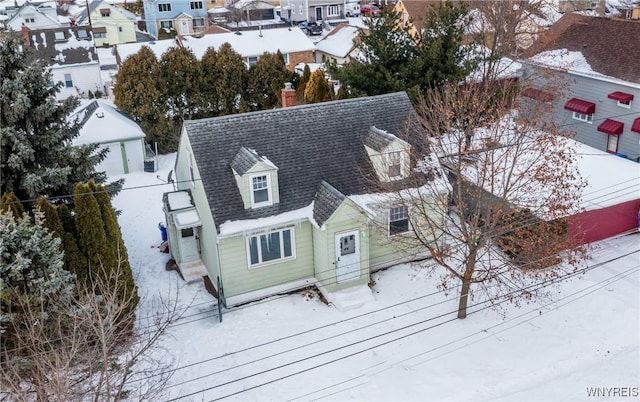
<point x="25" y="36"/>
<point x="288" y="95"/>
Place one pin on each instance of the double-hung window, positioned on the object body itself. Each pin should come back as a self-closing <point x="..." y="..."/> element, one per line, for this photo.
<point x="394" y="163"/>
<point x="260" y="190"/>
<point x="164" y="7"/>
<point x="398" y="220"/>
<point x="271" y="246"/>
<point x="166" y="24"/>
<point x="196" y="5"/>
<point x="68" y="82"/>
<point x="332" y="11"/>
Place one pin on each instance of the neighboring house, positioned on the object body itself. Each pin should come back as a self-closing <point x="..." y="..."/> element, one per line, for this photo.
<point x="339" y="46"/>
<point x="315" y="10"/>
<point x="110" y="24"/>
<point x="184" y="16"/>
<point x="277" y="200"/>
<point x="601" y="101"/>
<point x="103" y="124"/>
<point x="294" y="45"/>
<point x="36" y="15"/>
<point x="70" y="55"/>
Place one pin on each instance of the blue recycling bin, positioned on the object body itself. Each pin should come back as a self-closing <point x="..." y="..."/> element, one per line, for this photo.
<point x="163" y="231"/>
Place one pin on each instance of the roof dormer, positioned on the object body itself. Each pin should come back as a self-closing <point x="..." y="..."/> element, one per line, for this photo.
<point x="388" y="154"/>
<point x="256" y="177"/>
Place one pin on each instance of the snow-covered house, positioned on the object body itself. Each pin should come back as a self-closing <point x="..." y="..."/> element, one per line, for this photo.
<point x="36" y="15"/>
<point x="283" y="199"/>
<point x="600" y="95"/>
<point x="103" y="124"/>
<point x="338" y="46"/>
<point x="110" y="23"/>
<point x="294" y="45"/>
<point x="70" y="55"/>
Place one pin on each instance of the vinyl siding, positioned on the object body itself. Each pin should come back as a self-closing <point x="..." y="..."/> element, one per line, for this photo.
<point x="239" y="278"/>
<point x="346" y="218"/>
<point x="85" y="77"/>
<point x="244" y="183"/>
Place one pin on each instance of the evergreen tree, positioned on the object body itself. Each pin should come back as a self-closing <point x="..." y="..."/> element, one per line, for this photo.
<point x="179" y="79"/>
<point x="30" y="265"/>
<point x="74" y="260"/>
<point x="211" y="74"/>
<point x="266" y="80"/>
<point x="51" y="221"/>
<point x="37" y="155"/>
<point x="318" y="88"/>
<point x="92" y="239"/>
<point x="122" y="276"/>
<point x="302" y="84"/>
<point x="11" y="203"/>
<point x="232" y="85"/>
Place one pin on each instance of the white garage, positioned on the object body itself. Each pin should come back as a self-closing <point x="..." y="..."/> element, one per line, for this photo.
<point x="101" y="123"/>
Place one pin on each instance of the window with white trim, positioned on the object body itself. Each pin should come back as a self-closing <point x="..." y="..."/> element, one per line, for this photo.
<point x="196" y="5"/>
<point x="252" y="60"/>
<point x="398" y="220"/>
<point x="68" y="82"/>
<point x="166" y="24"/>
<point x="164" y="7"/>
<point x="583" y="117"/>
<point x="82" y="34"/>
<point x="394" y="165"/>
<point x="29" y="20"/>
<point x="198" y="22"/>
<point x="99" y="35"/>
<point x="333" y="11"/>
<point x="260" y="190"/>
<point x="625" y="104"/>
<point x="612" y="143"/>
<point x="270" y="247"/>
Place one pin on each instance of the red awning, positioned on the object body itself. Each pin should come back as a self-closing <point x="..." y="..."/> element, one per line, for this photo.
<point x="538" y="95"/>
<point x="636" y="125"/>
<point x="620" y="96"/>
<point x="610" y="126"/>
<point x="580" y="106"/>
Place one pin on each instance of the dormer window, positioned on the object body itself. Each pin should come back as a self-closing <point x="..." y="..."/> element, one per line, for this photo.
<point x="389" y="154"/>
<point x="82" y="34"/>
<point x="260" y="190"/>
<point x="59" y="36"/>
<point x="256" y="177"/>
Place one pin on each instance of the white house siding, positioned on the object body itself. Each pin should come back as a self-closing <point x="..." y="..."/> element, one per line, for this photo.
<point x="114" y="162"/>
<point x="85" y="78"/>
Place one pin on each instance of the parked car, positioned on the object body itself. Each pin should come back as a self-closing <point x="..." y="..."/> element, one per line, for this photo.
<point x="370" y="10"/>
<point x="311" y="28"/>
<point x="352" y="9"/>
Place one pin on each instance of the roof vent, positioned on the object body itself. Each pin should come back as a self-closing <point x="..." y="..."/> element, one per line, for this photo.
<point x="100" y="115"/>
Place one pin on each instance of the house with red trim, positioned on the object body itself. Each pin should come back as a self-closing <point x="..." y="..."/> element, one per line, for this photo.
<point x="599" y="66"/>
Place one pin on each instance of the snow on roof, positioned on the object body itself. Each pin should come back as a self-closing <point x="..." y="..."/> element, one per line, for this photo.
<point x="106" y="56"/>
<point x="339" y="42"/>
<point x="188" y="218"/>
<point x="158" y="47"/>
<point x="179" y="200"/>
<point x="253" y="43"/>
<point x="312" y="67"/>
<point x="503" y="69"/>
<point x="105" y="125"/>
<point x="563" y="59"/>
<point x="604" y="189"/>
<point x="232" y="228"/>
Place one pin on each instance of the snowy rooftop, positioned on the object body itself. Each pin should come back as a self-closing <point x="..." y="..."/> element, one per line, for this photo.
<point x="179" y="200"/>
<point x="339" y="42"/>
<point x="104" y="124"/>
<point x="158" y="47"/>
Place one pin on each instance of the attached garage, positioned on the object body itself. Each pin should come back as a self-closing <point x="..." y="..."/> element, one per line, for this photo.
<point x="103" y="124"/>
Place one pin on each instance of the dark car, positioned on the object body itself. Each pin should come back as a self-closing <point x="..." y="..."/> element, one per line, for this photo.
<point x="311" y="28"/>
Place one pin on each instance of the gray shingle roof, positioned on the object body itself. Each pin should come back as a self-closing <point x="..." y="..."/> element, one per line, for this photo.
<point x="378" y="139"/>
<point x="327" y="200"/>
<point x="73" y="49"/>
<point x="244" y="160"/>
<point x="307" y="143"/>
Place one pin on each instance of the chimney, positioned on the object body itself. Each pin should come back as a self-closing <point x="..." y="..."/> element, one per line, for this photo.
<point x="25" y="36"/>
<point x="288" y="95"/>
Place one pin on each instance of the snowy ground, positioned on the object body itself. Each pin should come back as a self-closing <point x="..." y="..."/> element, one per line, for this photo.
<point x="407" y="345"/>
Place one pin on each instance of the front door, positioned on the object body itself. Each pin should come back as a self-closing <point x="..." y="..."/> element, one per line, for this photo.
<point x="184" y="27"/>
<point x="189" y="244"/>
<point x="347" y="256"/>
<point x="318" y="13"/>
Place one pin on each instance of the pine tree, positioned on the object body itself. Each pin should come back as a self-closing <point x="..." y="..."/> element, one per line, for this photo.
<point x="11" y="203"/>
<point x="302" y="84"/>
<point x="179" y="76"/>
<point x="37" y="155"/>
<point x="211" y="74"/>
<point x="266" y="80"/>
<point x="92" y="239"/>
<point x="232" y="85"/>
<point x="122" y="276"/>
<point x="318" y="88"/>
<point x="30" y="265"/>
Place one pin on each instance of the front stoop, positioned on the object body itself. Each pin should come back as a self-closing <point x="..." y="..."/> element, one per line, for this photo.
<point x="349" y="299"/>
<point x="192" y="271"/>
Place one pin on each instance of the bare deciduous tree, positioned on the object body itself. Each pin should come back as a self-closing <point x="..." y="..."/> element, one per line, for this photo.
<point x="94" y="353"/>
<point x="513" y="179"/>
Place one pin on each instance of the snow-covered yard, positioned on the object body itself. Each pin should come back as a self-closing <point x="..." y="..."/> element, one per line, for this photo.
<point x="406" y="345"/>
